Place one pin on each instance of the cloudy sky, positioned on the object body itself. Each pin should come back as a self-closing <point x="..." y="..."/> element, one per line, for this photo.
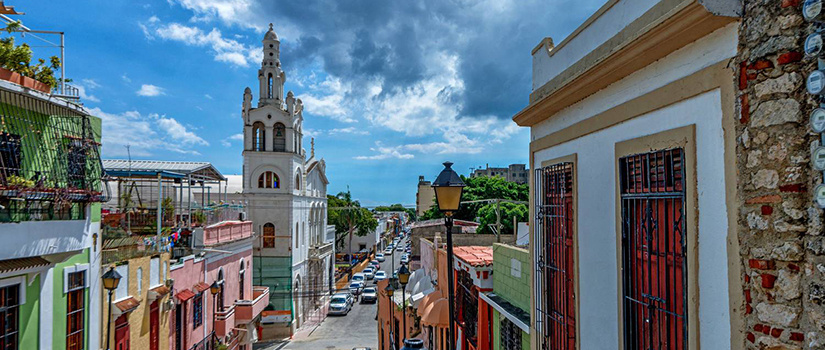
<point x="390" y="88"/>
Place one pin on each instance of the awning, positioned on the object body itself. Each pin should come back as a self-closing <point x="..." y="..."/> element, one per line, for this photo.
<point x="512" y="312"/>
<point x="13" y="265"/>
<point x="184" y="295"/>
<point x="200" y="287"/>
<point x="157" y="292"/>
<point x="126" y="305"/>
<point x="437" y="313"/>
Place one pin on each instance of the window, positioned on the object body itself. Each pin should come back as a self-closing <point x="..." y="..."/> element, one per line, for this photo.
<point x="165" y="267"/>
<point x="510" y="335"/>
<point x="654" y="250"/>
<point x="467" y="303"/>
<point x="269" y="85"/>
<point x="298" y="182"/>
<point x="279" y="138"/>
<point x="197" y="310"/>
<point x="76" y="167"/>
<point x="75" y="310"/>
<point x="139" y="279"/>
<point x="269" y="180"/>
<point x="122" y="290"/>
<point x="258" y="138"/>
<point x="9" y="316"/>
<point x="10" y="155"/>
<point x="269" y="235"/>
<point x="555" y="294"/>
<point x="154" y="272"/>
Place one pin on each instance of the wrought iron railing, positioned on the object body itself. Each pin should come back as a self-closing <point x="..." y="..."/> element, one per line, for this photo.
<point x="207" y="343"/>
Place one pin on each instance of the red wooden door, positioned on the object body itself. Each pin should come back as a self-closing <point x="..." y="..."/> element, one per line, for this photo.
<point x="122" y="332"/>
<point x="154" y="326"/>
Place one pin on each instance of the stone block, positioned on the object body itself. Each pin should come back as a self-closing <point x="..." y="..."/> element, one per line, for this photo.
<point x="779" y="314"/>
<point x="776" y="112"/>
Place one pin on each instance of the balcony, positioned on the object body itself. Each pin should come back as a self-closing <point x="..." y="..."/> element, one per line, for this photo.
<point x="248" y="310"/>
<point x="224" y="322"/>
<point x="320" y="251"/>
<point x="226" y="231"/>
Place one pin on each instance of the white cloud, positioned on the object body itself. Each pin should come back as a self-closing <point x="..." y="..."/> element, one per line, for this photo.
<point x="207" y="96"/>
<point x="84" y="88"/>
<point x="227" y="142"/>
<point x="150" y="90"/>
<point x="144" y="135"/>
<point x="90" y="83"/>
<point x="350" y="130"/>
<point x="223" y="49"/>
<point x="327" y="99"/>
<point x="125" y="78"/>
<point x="383" y="152"/>
<point x="179" y="132"/>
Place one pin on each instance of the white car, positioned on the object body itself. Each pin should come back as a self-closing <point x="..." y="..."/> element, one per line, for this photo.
<point x="358" y="277"/>
<point x="379" y="257"/>
<point x="356" y="287"/>
<point x="369" y="273"/>
<point x="400" y="248"/>
<point x="388" y="251"/>
<point x="340" y="304"/>
<point x="379" y="276"/>
<point x="370" y="295"/>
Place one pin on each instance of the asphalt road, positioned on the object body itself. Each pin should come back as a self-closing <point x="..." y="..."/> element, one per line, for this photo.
<point x="356" y="329"/>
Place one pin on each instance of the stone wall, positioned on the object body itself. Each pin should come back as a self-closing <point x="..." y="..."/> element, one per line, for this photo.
<point x="779" y="228"/>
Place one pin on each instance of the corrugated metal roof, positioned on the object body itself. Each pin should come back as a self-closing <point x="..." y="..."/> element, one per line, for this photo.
<point x="204" y="169"/>
<point x="12" y="265"/>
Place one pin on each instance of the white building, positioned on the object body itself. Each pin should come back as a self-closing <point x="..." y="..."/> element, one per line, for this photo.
<point x="286" y="196"/>
<point x="642" y="90"/>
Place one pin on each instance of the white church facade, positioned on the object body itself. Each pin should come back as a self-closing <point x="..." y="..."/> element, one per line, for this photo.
<point x="286" y="196"/>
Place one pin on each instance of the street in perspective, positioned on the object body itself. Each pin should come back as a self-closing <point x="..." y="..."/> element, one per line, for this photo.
<point x="397" y="175"/>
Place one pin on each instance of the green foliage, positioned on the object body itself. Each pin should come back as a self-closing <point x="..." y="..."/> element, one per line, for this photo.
<point x="482" y="187"/>
<point x="18" y="58"/>
<point x="17" y="181"/>
<point x="199" y="217"/>
<point x="168" y="206"/>
<point x="487" y="216"/>
<point x="396" y="207"/>
<point x="348" y="216"/>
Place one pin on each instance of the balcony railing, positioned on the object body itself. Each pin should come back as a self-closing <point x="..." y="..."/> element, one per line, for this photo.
<point x="226" y="231"/>
<point x="207" y="343"/>
<point x="320" y="250"/>
<point x="247" y="310"/>
<point x="136" y="221"/>
<point x="124" y="248"/>
<point x="21" y="210"/>
<point x="224" y="321"/>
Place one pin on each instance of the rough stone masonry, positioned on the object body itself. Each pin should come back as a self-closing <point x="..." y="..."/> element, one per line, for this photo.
<point x="782" y="246"/>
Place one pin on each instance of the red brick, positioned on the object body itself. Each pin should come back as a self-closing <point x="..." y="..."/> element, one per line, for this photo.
<point x="743" y="76"/>
<point x="789" y="3"/>
<point x="768" y="280"/>
<point x="757" y="327"/>
<point x="799" y="188"/>
<point x="796" y="336"/>
<point x="752" y="76"/>
<point x="751" y="337"/>
<point x="789" y="57"/>
<point x="793" y="267"/>
<point x="760" y="65"/>
<point x="747" y="295"/>
<point x="745" y="114"/>
<point x="766" y="330"/>
<point x="762" y="264"/>
<point x="767" y="210"/>
<point x="747" y="279"/>
<point x="773" y="198"/>
<point x="748" y="309"/>
<point x="776" y="332"/>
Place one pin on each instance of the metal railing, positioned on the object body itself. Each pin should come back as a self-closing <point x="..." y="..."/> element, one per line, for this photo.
<point x="207" y="343"/>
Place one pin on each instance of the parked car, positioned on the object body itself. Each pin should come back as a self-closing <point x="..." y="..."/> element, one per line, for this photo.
<point x="375" y="264"/>
<point x="369" y="295"/>
<point x="400" y="248"/>
<point x="340" y="304"/>
<point x="369" y="273"/>
<point x="388" y="251"/>
<point x="358" y="277"/>
<point x="379" y="276"/>
<point x="355" y="288"/>
<point x="380" y="257"/>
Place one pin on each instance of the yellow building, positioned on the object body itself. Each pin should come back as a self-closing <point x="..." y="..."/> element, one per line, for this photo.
<point x="424" y="197"/>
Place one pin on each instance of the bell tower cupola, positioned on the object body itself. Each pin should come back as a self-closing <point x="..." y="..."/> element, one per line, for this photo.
<point x="270" y="76"/>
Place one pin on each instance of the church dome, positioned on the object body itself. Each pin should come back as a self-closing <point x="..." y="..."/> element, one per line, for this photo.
<point x="270" y="34"/>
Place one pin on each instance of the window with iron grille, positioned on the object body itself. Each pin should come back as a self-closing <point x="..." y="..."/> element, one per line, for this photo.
<point x="9" y="317"/>
<point x="654" y="254"/>
<point x="554" y="256"/>
<point x="10" y="155"/>
<point x="510" y="335"/>
<point x="197" y="310"/>
<point x="76" y="163"/>
<point x="75" y="310"/>
<point x="468" y="306"/>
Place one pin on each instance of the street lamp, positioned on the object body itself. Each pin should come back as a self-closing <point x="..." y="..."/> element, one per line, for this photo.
<point x="404" y="278"/>
<point x="215" y="288"/>
<point x="390" y="291"/>
<point x="110" y="281"/>
<point x="448" y="187"/>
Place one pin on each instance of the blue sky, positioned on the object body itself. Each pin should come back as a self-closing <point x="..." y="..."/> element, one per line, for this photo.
<point x="391" y="89"/>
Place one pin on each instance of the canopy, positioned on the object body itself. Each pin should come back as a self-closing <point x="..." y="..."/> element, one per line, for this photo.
<point x="437" y="314"/>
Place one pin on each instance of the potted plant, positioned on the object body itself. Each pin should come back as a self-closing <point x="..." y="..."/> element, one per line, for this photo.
<point x="16" y="64"/>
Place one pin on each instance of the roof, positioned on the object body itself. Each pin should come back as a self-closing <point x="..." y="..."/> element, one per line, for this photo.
<point x="128" y="304"/>
<point x="185" y="295"/>
<point x="20" y="264"/>
<point x="137" y="168"/>
<point x="200" y="287"/>
<point x="270" y="34"/>
<point x="474" y="255"/>
<point x="513" y="313"/>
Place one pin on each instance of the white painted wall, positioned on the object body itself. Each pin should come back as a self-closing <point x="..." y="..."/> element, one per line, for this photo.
<point x="41" y="238"/>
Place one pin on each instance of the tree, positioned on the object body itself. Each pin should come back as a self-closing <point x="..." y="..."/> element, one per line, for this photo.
<point x="396" y="207"/>
<point x="348" y="217"/>
<point x="487" y="216"/>
<point x="18" y="58"/>
<point x="482" y="187"/>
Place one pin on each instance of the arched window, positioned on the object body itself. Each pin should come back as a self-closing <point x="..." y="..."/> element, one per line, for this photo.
<point x="269" y="86"/>
<point x="258" y="136"/>
<point x="298" y="181"/>
<point x="269" y="180"/>
<point x="269" y="235"/>
<point x="279" y="138"/>
<point x="241" y="280"/>
<point x="297" y="234"/>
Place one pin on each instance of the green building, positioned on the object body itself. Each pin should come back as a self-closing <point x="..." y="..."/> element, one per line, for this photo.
<point x="510" y="298"/>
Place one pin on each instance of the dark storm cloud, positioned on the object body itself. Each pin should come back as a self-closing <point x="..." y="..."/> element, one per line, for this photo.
<point x="392" y="40"/>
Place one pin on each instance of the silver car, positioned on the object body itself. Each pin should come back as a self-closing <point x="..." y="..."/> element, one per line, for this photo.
<point x="340" y="304"/>
<point x="369" y="295"/>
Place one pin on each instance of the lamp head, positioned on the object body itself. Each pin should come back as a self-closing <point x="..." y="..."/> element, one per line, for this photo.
<point x="389" y="289"/>
<point x="448" y="187"/>
<point x="111" y="279"/>
<point x="403" y="275"/>
<point x="215" y="288"/>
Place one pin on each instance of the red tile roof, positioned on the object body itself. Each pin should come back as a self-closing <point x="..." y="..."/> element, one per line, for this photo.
<point x="160" y="290"/>
<point x="200" y="287"/>
<point x="184" y="295"/>
<point x="474" y="255"/>
<point x="127" y="304"/>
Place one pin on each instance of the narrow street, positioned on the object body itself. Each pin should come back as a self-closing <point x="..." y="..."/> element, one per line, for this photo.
<point x="356" y="329"/>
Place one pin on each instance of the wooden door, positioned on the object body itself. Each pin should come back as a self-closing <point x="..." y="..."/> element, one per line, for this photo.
<point x="154" y="326"/>
<point x="122" y="332"/>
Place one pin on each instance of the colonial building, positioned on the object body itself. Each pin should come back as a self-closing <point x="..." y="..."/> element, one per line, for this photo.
<point x="672" y="186"/>
<point x="424" y="196"/>
<point x="286" y="195"/>
<point x="514" y="173"/>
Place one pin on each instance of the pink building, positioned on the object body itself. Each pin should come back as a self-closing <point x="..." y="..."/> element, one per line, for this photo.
<point x="222" y="254"/>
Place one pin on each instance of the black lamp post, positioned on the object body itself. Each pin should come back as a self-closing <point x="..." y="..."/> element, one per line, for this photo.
<point x="448" y="187"/>
<point x="390" y="291"/>
<point x="215" y="288"/>
<point x="404" y="278"/>
<point x="111" y="279"/>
